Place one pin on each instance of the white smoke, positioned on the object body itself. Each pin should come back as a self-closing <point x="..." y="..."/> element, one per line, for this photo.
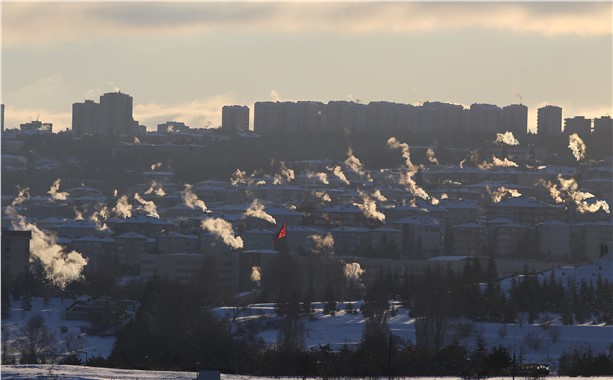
<point x="324" y="244"/>
<point x="378" y="196"/>
<point x="78" y="214"/>
<point x="22" y="196"/>
<point x="54" y="192"/>
<point x="577" y="146"/>
<point x="502" y="192"/>
<point x="323" y="196"/>
<point x="406" y="176"/>
<point x="256" y="210"/>
<point x="237" y="177"/>
<point x="136" y="140"/>
<point x="431" y="156"/>
<point x="286" y="175"/>
<point x="353" y="271"/>
<point x="338" y="173"/>
<point x="503" y="163"/>
<point x="506" y="138"/>
<point x="101" y="213"/>
<point x="321" y="177"/>
<point x="369" y="207"/>
<point x="156" y="189"/>
<point x="115" y="193"/>
<point x="569" y="191"/>
<point x="223" y="230"/>
<point x="123" y="208"/>
<point x="353" y="163"/>
<point x="146" y="206"/>
<point x="256" y="274"/>
<point x="434" y="201"/>
<point x="191" y="200"/>
<point x="60" y="267"/>
<point x="156" y="166"/>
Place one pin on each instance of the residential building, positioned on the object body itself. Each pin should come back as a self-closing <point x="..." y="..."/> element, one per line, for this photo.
<point x="115" y="114"/>
<point x="515" y="119"/>
<point x="553" y="240"/>
<point x="603" y="125"/>
<point x="235" y="118"/>
<point x="485" y="118"/>
<point x="15" y="252"/>
<point x="36" y="127"/>
<point x="579" y="125"/>
<point x="85" y="118"/>
<point x="549" y="121"/>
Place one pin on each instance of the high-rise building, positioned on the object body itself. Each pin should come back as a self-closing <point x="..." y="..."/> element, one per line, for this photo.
<point x="235" y="118"/>
<point x="84" y="118"/>
<point x="515" y="119"/>
<point x="549" y="121"/>
<point x="603" y="124"/>
<point x="15" y="252"/>
<point x="439" y="117"/>
<point x="115" y="116"/>
<point x="36" y="127"/>
<point x="2" y="116"/>
<point x="579" y="125"/>
<point x="344" y="115"/>
<point x="388" y="116"/>
<point x="485" y="118"/>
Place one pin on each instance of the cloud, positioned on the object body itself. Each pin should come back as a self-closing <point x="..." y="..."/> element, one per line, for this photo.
<point x="27" y="23"/>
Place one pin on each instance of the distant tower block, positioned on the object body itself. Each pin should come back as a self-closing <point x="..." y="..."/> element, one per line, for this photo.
<point x="549" y="121"/>
<point x="235" y="118"/>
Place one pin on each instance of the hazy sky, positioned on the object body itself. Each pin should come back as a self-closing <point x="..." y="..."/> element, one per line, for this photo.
<point x="184" y="61"/>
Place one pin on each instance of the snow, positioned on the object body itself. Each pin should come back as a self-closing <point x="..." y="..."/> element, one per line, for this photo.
<point x="53" y="311"/>
<point x="95" y="373"/>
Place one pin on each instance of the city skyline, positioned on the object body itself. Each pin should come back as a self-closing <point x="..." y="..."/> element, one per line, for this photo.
<point x="184" y="62"/>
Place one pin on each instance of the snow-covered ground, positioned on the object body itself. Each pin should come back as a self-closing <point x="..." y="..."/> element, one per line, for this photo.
<point x="92" y="373"/>
<point x="52" y="310"/>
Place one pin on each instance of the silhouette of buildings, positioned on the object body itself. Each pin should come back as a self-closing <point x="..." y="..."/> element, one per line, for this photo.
<point x="515" y="119"/>
<point x="2" y="116"/>
<point x="603" y="124"/>
<point x="579" y="125"/>
<point x="549" y="121"/>
<point x="112" y="116"/>
<point x="36" y="127"/>
<point x="235" y="118"/>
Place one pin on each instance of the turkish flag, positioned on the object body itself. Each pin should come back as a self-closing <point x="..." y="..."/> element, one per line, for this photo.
<point x="282" y="232"/>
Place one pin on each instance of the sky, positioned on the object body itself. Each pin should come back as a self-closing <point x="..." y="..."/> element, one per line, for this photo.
<point x="185" y="61"/>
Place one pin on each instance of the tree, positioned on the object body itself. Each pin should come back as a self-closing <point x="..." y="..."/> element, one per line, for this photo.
<point x="36" y="343"/>
<point x="292" y="334"/>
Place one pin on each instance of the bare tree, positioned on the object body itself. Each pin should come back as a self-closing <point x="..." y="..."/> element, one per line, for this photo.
<point x="36" y="343"/>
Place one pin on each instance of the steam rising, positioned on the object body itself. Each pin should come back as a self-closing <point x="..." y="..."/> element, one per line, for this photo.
<point x="256" y="210"/>
<point x="147" y="206"/>
<point x="430" y="155"/>
<point x="191" y="200"/>
<point x="500" y="193"/>
<point x="223" y="230"/>
<point x="237" y="177"/>
<point x="406" y="177"/>
<point x="156" y="189"/>
<point x="353" y="163"/>
<point x="102" y="212"/>
<point x="286" y="175"/>
<point x="503" y="163"/>
<point x="353" y="271"/>
<point x="255" y="274"/>
<point x="338" y="172"/>
<point x="324" y="244"/>
<point x="569" y="190"/>
<point x="369" y="207"/>
<point x="506" y="138"/>
<point x="321" y="177"/>
<point x="156" y="166"/>
<point x="577" y="146"/>
<point x="54" y="192"/>
<point x="22" y="196"/>
<point x="378" y="196"/>
<point x="123" y="208"/>
<point x="323" y="196"/>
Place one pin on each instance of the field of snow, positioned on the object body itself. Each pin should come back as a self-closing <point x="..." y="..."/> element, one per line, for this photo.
<point x="93" y="373"/>
<point x="52" y="310"/>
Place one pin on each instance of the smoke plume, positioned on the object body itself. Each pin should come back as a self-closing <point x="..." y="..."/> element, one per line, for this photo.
<point x="191" y="200"/>
<point x="147" y="206"/>
<point x="156" y="166"/>
<point x="323" y="196"/>
<point x="369" y="207"/>
<point x="101" y="213"/>
<point x="503" y="163"/>
<point x="577" y="146"/>
<point x="123" y="208"/>
<point x="430" y="155"/>
<point x="569" y="191"/>
<point x="338" y="173"/>
<point x="78" y="214"/>
<point x="378" y="196"/>
<point x="156" y="189"/>
<point x="54" y="192"/>
<point x="223" y="230"/>
<point x="286" y="175"/>
<point x="406" y="177"/>
<point x="237" y="177"/>
<point x="256" y="210"/>
<point x="506" y="138"/>
<point x="323" y="244"/>
<point x="321" y="177"/>
<point x="255" y="274"/>
<point x="353" y="271"/>
<point x="500" y="193"/>
<point x="353" y="163"/>
<point x="60" y="267"/>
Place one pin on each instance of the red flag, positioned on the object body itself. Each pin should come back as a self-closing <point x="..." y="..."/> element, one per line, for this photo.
<point x="282" y="232"/>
